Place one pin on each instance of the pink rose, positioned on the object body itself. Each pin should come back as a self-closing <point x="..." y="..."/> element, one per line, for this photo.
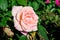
<point x="47" y="1"/>
<point x="57" y="2"/>
<point x="25" y="19"/>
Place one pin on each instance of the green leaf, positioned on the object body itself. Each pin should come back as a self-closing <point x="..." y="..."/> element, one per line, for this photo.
<point x="8" y="14"/>
<point x="22" y="2"/>
<point x="58" y="10"/>
<point x="1" y="15"/>
<point x="46" y="22"/>
<point x="29" y="4"/>
<point x="53" y="9"/>
<point x="41" y="2"/>
<point x="42" y="31"/>
<point x="3" y="4"/>
<point x="4" y="21"/>
<point x="38" y="13"/>
<point x="14" y="2"/>
<point x="23" y="38"/>
<point x="56" y="18"/>
<point x="35" y="5"/>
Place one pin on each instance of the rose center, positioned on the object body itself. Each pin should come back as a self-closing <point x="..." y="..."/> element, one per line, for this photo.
<point x="29" y="20"/>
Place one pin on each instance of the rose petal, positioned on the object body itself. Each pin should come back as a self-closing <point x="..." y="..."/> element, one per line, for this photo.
<point x="19" y="15"/>
<point x="27" y="10"/>
<point x="25" y="33"/>
<point x="16" y="9"/>
<point x="26" y="27"/>
<point x="35" y="17"/>
<point x="17" y="25"/>
<point x="34" y="28"/>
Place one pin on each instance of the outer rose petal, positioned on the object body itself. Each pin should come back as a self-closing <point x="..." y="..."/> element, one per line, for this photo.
<point x="35" y="18"/>
<point x="17" y="25"/>
<point x="34" y="28"/>
<point x="25" y="33"/>
<point x="16" y="9"/>
<point x="19" y="16"/>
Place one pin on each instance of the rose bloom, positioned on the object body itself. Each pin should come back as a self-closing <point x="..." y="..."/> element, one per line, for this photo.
<point x="47" y="1"/>
<point x="57" y="2"/>
<point x="25" y="19"/>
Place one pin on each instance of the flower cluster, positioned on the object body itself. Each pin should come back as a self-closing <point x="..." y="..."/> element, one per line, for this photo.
<point x="57" y="2"/>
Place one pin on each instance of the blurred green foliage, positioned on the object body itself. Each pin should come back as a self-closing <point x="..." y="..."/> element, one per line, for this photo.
<point x="23" y="2"/>
<point x="42" y="31"/>
<point x="3" y="4"/>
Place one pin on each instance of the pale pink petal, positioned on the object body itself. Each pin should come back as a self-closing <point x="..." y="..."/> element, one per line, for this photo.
<point x="26" y="10"/>
<point x="25" y="33"/>
<point x="26" y="27"/>
<point x="35" y="17"/>
<point x="19" y="15"/>
<point x="34" y="28"/>
<point x="16" y="9"/>
<point x="17" y="25"/>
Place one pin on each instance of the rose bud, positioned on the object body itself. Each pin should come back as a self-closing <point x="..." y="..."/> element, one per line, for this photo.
<point x="8" y="31"/>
